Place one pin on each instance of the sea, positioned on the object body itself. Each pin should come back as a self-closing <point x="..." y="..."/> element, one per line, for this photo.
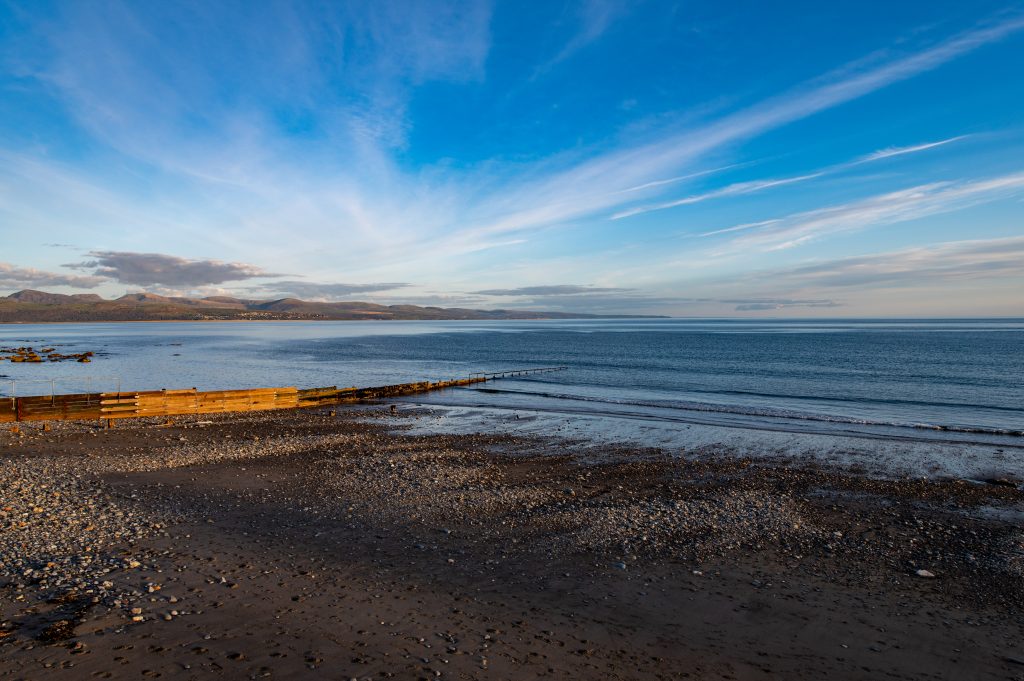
<point x="926" y="397"/>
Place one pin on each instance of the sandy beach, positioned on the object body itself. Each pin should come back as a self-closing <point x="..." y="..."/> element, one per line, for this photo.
<point x="319" y="544"/>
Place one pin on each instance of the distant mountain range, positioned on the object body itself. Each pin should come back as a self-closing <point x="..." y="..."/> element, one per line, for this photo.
<point x="39" y="306"/>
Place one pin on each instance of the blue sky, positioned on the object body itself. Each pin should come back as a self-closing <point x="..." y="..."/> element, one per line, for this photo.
<point x="764" y="159"/>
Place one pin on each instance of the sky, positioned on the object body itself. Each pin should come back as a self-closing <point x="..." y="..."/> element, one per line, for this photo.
<point x="746" y="159"/>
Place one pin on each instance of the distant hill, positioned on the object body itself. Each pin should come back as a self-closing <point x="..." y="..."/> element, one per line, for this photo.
<point x="39" y="306"/>
<point x="43" y="298"/>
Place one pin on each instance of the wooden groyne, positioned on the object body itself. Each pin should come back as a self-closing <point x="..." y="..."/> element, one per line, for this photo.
<point x="121" y="405"/>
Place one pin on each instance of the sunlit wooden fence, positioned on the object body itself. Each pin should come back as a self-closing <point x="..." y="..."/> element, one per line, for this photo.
<point x="122" y="405"/>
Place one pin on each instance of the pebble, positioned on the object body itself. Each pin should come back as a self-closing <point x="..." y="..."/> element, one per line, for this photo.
<point x="62" y="529"/>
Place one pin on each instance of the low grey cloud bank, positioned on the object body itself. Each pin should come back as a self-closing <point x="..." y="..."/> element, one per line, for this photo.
<point x="555" y="290"/>
<point x="436" y="300"/>
<point x="152" y="269"/>
<point x="12" y="276"/>
<point x="756" y="304"/>
<point x="307" y="289"/>
<point x="979" y="259"/>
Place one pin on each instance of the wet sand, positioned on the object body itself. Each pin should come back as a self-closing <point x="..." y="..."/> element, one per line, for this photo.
<point x="306" y="545"/>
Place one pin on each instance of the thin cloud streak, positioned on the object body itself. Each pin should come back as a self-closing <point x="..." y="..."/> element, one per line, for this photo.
<point x="745" y="225"/>
<point x="730" y="190"/>
<point x="682" y="178"/>
<point x="900" y="151"/>
<point x="754" y="186"/>
<point x="890" y="208"/>
<point x="597" y="17"/>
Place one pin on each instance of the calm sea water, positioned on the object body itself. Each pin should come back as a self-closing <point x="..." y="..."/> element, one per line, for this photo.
<point x="936" y="382"/>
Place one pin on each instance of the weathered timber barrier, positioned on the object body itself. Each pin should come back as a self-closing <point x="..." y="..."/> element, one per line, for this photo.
<point x="317" y="396"/>
<point x="177" y="402"/>
<point x="144" y="403"/>
<point x="515" y="372"/>
<point x="50" y="407"/>
<point x="120" y="405"/>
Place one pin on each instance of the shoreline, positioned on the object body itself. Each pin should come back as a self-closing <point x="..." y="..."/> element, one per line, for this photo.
<point x="375" y="319"/>
<point x="370" y="319"/>
<point x="486" y="556"/>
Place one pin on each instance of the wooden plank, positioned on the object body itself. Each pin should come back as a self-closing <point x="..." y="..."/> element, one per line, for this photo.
<point x="58" y="409"/>
<point x="58" y="416"/>
<point x="317" y="392"/>
<point x="58" y="399"/>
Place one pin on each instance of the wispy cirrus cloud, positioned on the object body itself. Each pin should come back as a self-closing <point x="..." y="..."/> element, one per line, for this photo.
<point x="682" y="178"/>
<point x="595" y="17"/>
<point x="890" y="152"/>
<point x="889" y="208"/>
<point x="158" y="269"/>
<point x="735" y="189"/>
<point x="754" y="186"/>
<point x="347" y="67"/>
<point x="597" y="184"/>
<point x="409" y="219"/>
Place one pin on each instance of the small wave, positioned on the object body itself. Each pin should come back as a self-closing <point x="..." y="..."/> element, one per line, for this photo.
<point x="760" y="412"/>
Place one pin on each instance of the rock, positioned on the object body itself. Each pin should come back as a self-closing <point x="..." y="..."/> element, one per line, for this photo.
<point x="925" y="573"/>
<point x="1001" y="482"/>
<point x="619" y="566"/>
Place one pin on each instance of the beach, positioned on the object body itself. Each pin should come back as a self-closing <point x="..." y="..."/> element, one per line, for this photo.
<point x="350" y="543"/>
